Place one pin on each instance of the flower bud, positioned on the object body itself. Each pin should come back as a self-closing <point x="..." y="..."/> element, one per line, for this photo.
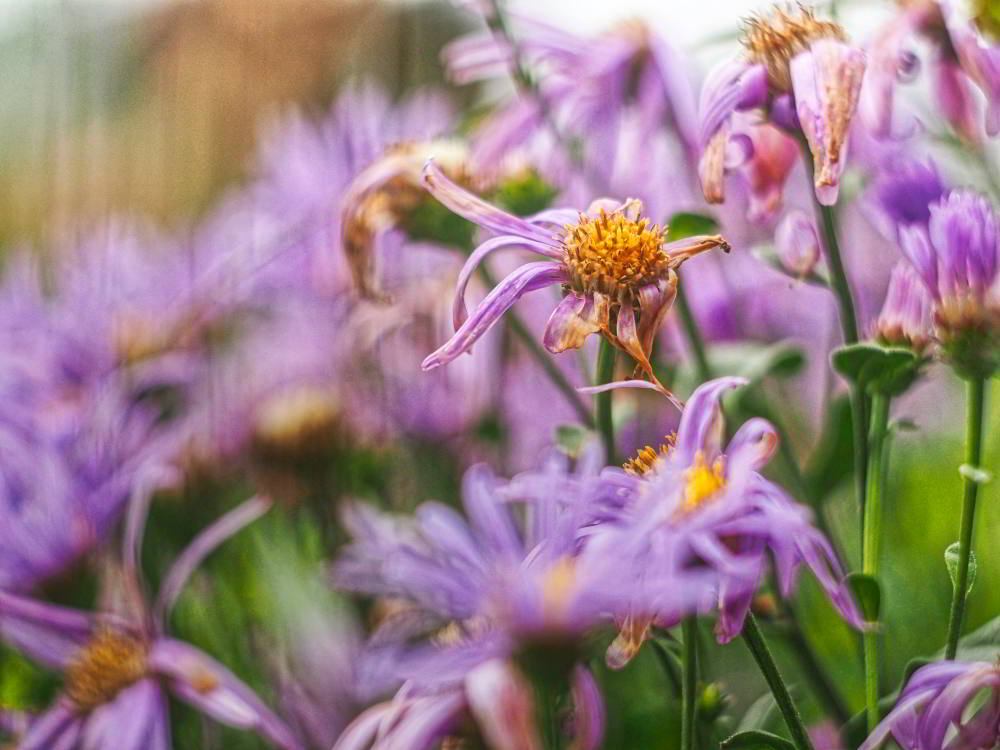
<point x="797" y="244"/>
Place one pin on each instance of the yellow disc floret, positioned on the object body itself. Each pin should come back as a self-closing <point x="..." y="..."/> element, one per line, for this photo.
<point x="614" y="254"/>
<point x="702" y="481"/>
<point x="105" y="666"/>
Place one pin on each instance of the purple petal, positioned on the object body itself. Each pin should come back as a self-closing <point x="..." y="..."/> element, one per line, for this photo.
<point x="588" y="711"/>
<point x="196" y="678"/>
<point x="575" y="318"/>
<point x="478" y="211"/>
<point x="490" y="517"/>
<point x="136" y="719"/>
<point x="459" y="311"/>
<point x="730" y="86"/>
<point x="47" y="633"/>
<point x="57" y="729"/>
<point x="360" y="733"/>
<point x="527" y="278"/>
<point x="917" y="248"/>
<point x="202" y="546"/>
<point x="752" y="446"/>
<point x="502" y="703"/>
<point x="701" y="425"/>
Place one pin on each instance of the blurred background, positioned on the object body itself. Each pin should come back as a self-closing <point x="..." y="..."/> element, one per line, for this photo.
<point x="154" y="107"/>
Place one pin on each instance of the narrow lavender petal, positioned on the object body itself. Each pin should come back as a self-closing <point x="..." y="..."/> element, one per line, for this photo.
<point x="490" y="518"/>
<point x="752" y="446"/>
<point x="956" y="100"/>
<point x="360" y="733"/>
<point x="916" y="246"/>
<point x="146" y="484"/>
<point x="501" y="701"/>
<point x="48" y="633"/>
<point x="426" y="723"/>
<point x="732" y="85"/>
<point x="576" y="317"/>
<point x="641" y="384"/>
<point x="655" y="301"/>
<point x="588" y="711"/>
<point x="196" y="678"/>
<point x="459" y="311"/>
<point x="527" y="278"/>
<point x="701" y="425"/>
<point x="56" y="729"/>
<point x="136" y="719"/>
<point x="947" y="708"/>
<point x="478" y="211"/>
<point x="980" y="59"/>
<point x="202" y="546"/>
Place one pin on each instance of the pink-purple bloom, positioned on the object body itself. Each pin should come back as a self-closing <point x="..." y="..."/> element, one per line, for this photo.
<point x="939" y="709"/>
<point x="118" y="667"/>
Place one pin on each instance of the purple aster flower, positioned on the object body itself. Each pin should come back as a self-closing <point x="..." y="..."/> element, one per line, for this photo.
<point x="965" y="56"/>
<point x="613" y="264"/>
<point x="506" y="594"/>
<point x="956" y="257"/>
<point x="902" y="193"/>
<point x="117" y="670"/>
<point x="932" y="712"/>
<point x="587" y="86"/>
<point x="806" y="74"/>
<point x="714" y="506"/>
<point x="905" y="319"/>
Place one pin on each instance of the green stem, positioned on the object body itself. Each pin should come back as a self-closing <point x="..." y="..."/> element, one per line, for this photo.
<point x="693" y="334"/>
<point x="871" y="536"/>
<point x="668" y="663"/>
<point x="689" y="682"/>
<point x="754" y="640"/>
<point x="542" y="358"/>
<point x="848" y="319"/>
<point x="974" y="411"/>
<point x="602" y="401"/>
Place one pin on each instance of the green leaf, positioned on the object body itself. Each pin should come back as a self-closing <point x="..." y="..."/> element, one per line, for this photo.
<point x="877" y="369"/>
<point x="570" y="438"/>
<point x="867" y="593"/>
<point x="952" y="557"/>
<point x="833" y="458"/>
<point x="687" y="224"/>
<point x="755" y="739"/>
<point x="762" y="713"/>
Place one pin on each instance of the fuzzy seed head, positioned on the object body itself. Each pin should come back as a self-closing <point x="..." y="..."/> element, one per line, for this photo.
<point x="773" y="40"/>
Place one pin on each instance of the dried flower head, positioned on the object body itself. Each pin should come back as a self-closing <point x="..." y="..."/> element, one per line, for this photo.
<point x="773" y="39"/>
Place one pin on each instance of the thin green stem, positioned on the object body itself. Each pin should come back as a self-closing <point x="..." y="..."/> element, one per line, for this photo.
<point x="848" y="320"/>
<point x="542" y="358"/>
<point x="871" y="536"/>
<point x="689" y="681"/>
<point x="602" y="401"/>
<point x="693" y="335"/>
<point x="975" y="407"/>
<point x="669" y="665"/>
<point x="754" y="640"/>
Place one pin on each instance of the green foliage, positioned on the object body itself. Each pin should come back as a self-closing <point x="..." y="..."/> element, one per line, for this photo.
<point x="688" y="224"/>
<point x="525" y="193"/>
<point x="756" y="740"/>
<point x="867" y="593"/>
<point x="951" y="561"/>
<point x="877" y="369"/>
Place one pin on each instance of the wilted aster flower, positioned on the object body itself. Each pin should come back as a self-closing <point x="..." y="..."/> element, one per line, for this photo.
<point x="905" y="319"/>
<point x="716" y="507"/>
<point x="615" y="266"/>
<point x="932" y="711"/>
<point x="965" y="54"/>
<point x="805" y="73"/>
<point x="956" y="256"/>
<point x="117" y="669"/>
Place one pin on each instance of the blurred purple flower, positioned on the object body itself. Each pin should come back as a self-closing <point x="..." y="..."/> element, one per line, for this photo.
<point x="903" y="191"/>
<point x="118" y="668"/>
<point x="905" y="319"/>
<point x="797" y="244"/>
<point x="613" y="263"/>
<point x="957" y="256"/>
<point x="964" y="56"/>
<point x="937" y="698"/>
<point x="808" y="77"/>
<point x="714" y="506"/>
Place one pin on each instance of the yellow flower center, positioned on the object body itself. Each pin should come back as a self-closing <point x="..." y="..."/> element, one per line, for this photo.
<point x="614" y="255"/>
<point x="108" y="664"/>
<point x="297" y="418"/>
<point x="702" y="481"/>
<point x="557" y="588"/>
<point x="773" y="40"/>
<point x="649" y="457"/>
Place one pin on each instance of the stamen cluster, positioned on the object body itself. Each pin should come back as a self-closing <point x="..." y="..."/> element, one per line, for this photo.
<point x="614" y="254"/>
<point x="773" y="40"/>
<point x="108" y="664"/>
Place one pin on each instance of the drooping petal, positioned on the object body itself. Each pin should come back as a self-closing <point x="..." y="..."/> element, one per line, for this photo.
<point x="202" y="546"/>
<point x="459" y="311"/>
<point x="421" y="723"/>
<point x="916" y="246"/>
<point x="684" y="249"/>
<point x="49" y="634"/>
<point x="655" y="300"/>
<point x="588" y="711"/>
<point x="775" y="154"/>
<point x="752" y="446"/>
<point x="502" y="702"/>
<point x="199" y="680"/>
<point x="136" y="719"/>
<point x="979" y="58"/>
<point x="954" y="96"/>
<point x="527" y="278"/>
<point x="575" y="318"/>
<point x="360" y="733"/>
<point x="632" y="634"/>
<point x="478" y="211"/>
<point x="826" y="80"/>
<point x="701" y="425"/>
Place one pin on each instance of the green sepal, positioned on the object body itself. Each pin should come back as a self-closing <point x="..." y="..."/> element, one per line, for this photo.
<point x="877" y="369"/>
